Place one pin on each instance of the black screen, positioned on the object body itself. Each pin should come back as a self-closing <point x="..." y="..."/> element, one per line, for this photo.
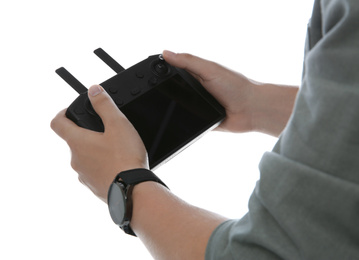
<point x="169" y="116"/>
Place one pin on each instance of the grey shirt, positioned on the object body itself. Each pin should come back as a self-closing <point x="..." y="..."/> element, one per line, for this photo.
<point x="306" y="203"/>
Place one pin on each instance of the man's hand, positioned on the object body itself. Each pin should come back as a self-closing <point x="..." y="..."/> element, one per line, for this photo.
<point x="167" y="225"/>
<point x="99" y="157"/>
<point x="250" y="105"/>
<point x="231" y="89"/>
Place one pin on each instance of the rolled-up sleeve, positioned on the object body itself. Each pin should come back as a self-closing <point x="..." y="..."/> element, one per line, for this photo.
<point x="306" y="203"/>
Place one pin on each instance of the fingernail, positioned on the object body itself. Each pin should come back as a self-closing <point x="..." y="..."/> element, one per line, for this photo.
<point x="168" y="53"/>
<point x="95" y="90"/>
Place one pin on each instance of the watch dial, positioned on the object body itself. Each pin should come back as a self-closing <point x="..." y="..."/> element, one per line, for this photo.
<point x="117" y="203"/>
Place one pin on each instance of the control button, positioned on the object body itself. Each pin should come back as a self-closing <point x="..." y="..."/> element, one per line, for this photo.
<point x="152" y="81"/>
<point x="119" y="102"/>
<point x="135" y="91"/>
<point x="113" y="90"/>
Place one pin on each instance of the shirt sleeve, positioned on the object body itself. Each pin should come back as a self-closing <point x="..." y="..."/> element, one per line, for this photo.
<point x="306" y="203"/>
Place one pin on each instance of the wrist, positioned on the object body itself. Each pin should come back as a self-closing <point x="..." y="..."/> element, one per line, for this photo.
<point x="167" y="224"/>
<point x="271" y="107"/>
<point x="148" y="198"/>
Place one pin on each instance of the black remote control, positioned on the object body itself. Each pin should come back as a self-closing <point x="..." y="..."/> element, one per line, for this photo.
<point x="167" y="106"/>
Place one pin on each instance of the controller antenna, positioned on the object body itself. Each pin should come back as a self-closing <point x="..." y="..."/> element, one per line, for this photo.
<point x="109" y="60"/>
<point x="71" y="80"/>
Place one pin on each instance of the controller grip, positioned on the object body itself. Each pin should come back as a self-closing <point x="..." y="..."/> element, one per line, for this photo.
<point x="83" y="115"/>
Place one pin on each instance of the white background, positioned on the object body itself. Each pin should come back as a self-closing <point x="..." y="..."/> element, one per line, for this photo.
<point x="45" y="212"/>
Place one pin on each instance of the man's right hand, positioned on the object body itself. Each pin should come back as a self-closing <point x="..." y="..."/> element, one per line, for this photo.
<point x="250" y="106"/>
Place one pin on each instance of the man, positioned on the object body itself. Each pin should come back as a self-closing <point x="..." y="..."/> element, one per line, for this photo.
<point x="305" y="205"/>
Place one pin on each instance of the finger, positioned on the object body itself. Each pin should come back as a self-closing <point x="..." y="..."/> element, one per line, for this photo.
<point x="104" y="105"/>
<point x="200" y="68"/>
<point x="63" y="126"/>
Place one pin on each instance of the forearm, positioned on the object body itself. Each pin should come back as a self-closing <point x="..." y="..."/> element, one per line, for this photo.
<point x="273" y="107"/>
<point x="169" y="226"/>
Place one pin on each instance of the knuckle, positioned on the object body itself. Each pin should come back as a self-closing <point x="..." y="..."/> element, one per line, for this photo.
<point x="53" y="124"/>
<point x="74" y="165"/>
<point x="187" y="56"/>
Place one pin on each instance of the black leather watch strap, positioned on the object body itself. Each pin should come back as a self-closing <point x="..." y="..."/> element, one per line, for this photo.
<point x="142" y="175"/>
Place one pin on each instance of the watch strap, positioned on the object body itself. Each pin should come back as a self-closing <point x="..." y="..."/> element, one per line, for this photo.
<point x="141" y="175"/>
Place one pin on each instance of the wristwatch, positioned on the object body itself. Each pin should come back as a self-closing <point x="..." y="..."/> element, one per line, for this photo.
<point x="120" y="195"/>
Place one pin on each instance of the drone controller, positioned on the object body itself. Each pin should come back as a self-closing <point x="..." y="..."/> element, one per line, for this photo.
<point x="167" y="106"/>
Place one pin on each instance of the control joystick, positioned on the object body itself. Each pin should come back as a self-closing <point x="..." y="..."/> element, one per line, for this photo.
<point x="160" y="67"/>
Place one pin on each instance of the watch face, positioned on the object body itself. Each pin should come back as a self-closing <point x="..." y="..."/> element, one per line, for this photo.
<point x="117" y="202"/>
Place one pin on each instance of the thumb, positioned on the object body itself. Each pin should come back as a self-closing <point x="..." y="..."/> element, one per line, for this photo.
<point x="200" y="68"/>
<point x="103" y="105"/>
